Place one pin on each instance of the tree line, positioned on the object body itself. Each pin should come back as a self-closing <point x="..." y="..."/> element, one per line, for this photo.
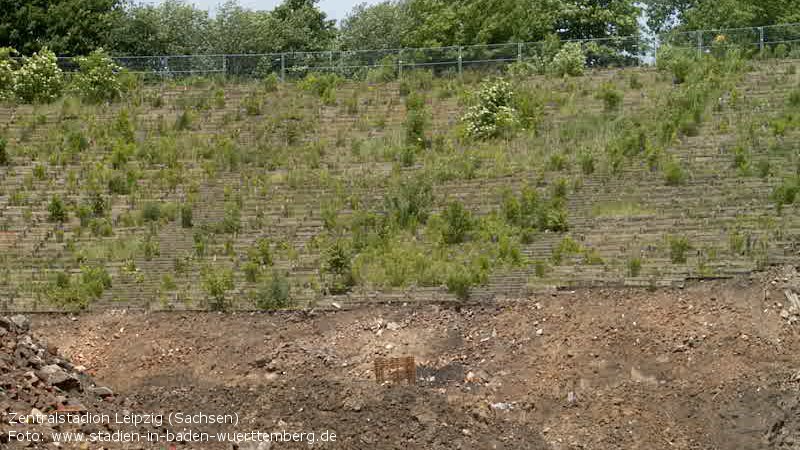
<point x="77" y="27"/>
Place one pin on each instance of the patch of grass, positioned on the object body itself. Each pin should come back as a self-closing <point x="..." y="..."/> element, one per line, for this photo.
<point x="634" y="265"/>
<point x="679" y="246"/>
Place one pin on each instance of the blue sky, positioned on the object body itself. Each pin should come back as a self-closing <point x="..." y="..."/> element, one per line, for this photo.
<point x="336" y="9"/>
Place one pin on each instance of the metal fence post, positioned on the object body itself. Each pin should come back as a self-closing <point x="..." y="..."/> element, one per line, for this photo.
<point x="330" y="61"/>
<point x="283" y="67"/>
<point x="225" y="65"/>
<point x="400" y="64"/>
<point x="699" y="42"/>
<point x="761" y="38"/>
<point x="460" y="61"/>
<point x="519" y="52"/>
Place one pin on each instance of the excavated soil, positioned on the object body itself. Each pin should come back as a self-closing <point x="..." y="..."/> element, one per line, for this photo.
<point x="713" y="366"/>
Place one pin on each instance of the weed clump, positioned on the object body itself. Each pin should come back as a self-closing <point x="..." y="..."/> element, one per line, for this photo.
<point x="493" y="114"/>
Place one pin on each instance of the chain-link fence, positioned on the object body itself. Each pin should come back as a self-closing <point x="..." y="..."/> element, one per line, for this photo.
<point x="777" y="41"/>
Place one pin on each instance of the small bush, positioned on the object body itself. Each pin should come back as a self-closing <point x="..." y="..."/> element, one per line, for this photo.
<point x="586" y="161"/>
<point x="270" y="82"/>
<point x="678" y="61"/>
<point x="57" y="211"/>
<point x="634" y="267"/>
<point x="460" y="282"/>
<point x="262" y="252"/>
<point x="4" y="159"/>
<point x="458" y="223"/>
<point x="8" y="76"/>
<point x="217" y="283"/>
<point x="492" y="115"/>
<point x="678" y="248"/>
<point x="252" y="270"/>
<point x="184" y="120"/>
<point x="151" y="212"/>
<point x="97" y="80"/>
<point x="322" y="85"/>
<point x="612" y="98"/>
<point x="409" y="200"/>
<point x="186" y="215"/>
<point x="337" y="267"/>
<point x="39" y="79"/>
<point x="674" y="174"/>
<point x="95" y="280"/>
<point x="634" y="82"/>
<point x="570" y="60"/>
<point x="786" y="193"/>
<point x="417" y="119"/>
<point x="764" y="168"/>
<point x="794" y="98"/>
<point x="275" y="293"/>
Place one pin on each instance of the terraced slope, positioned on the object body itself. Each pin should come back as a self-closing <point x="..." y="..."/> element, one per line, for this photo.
<point x="288" y="168"/>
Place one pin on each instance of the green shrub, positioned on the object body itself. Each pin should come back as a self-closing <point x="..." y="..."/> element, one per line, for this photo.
<point x="385" y="72"/>
<point x="251" y="271"/>
<point x="322" y="85"/>
<point x="492" y="115"/>
<point x="8" y="76"/>
<point x="231" y="221"/>
<point x="674" y="174"/>
<point x="95" y="280"/>
<point x="184" y="120"/>
<point x="252" y="104"/>
<point x="458" y="223"/>
<point x="570" y="60"/>
<point x="186" y="215"/>
<point x="612" y="98"/>
<point x="634" y="82"/>
<point x="408" y="201"/>
<point x="101" y="227"/>
<point x="459" y="283"/>
<point x="217" y="283"/>
<point x="678" y="247"/>
<point x="270" y="82"/>
<point x="39" y="79"/>
<point x="97" y="80"/>
<point x="736" y="242"/>
<point x="4" y="159"/>
<point x="677" y="61"/>
<point x="57" y="211"/>
<point x="417" y="119"/>
<point x="337" y="268"/>
<point x="262" y="252"/>
<point x="786" y="193"/>
<point x="741" y="160"/>
<point x="794" y="98"/>
<point x="150" y="247"/>
<point x="634" y="267"/>
<point x="151" y="212"/>
<point x="586" y="161"/>
<point x="275" y="293"/>
<point x="119" y="184"/>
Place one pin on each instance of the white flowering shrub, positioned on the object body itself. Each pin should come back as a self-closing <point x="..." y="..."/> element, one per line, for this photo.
<point x="493" y="114"/>
<point x="98" y="78"/>
<point x="39" y="79"/>
<point x="570" y="60"/>
<point x="8" y="77"/>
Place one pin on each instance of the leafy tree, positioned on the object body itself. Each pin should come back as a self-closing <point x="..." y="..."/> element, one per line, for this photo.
<point x="170" y="28"/>
<point x="301" y="26"/>
<point x="440" y="22"/>
<point x="663" y="15"/>
<point x="239" y="30"/>
<point x="380" y="26"/>
<point x="68" y="27"/>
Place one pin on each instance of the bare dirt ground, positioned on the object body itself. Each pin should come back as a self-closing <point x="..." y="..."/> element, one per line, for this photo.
<point x="713" y="366"/>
